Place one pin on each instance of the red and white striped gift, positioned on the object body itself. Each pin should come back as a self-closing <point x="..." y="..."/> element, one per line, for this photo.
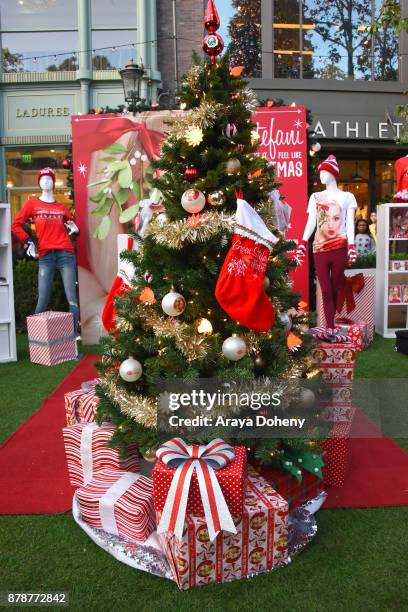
<point x="120" y="503"/>
<point x="71" y="400"/>
<point x="87" y="405"/>
<point x="51" y="337"/>
<point x="87" y="452"/>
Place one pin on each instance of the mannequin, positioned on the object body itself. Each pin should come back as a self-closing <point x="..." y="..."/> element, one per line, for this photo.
<point x="331" y="213"/>
<point x="54" y="226"/>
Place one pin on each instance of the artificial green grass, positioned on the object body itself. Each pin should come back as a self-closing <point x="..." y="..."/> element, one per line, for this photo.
<point x="357" y="562"/>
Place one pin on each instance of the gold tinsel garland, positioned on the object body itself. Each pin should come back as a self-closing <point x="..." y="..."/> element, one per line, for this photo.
<point x="192" y="346"/>
<point x="140" y="408"/>
<point x="203" y="117"/>
<point x="174" y="234"/>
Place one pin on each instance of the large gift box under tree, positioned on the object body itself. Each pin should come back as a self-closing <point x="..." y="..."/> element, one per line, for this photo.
<point x="259" y="545"/>
<point x="51" y="337"/>
<point x="289" y="487"/>
<point x="120" y="503"/>
<point x="87" y="452"/>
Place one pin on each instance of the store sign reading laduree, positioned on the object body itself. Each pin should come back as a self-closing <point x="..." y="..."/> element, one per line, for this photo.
<point x="42" y="111"/>
<point x="377" y="130"/>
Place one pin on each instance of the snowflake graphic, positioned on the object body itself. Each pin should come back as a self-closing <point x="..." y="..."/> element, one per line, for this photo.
<point x="82" y="169"/>
<point x="298" y="123"/>
<point x="237" y="267"/>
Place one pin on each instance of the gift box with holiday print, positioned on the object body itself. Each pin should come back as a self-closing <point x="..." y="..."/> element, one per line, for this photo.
<point x="335" y="361"/>
<point x="87" y="452"/>
<point x="287" y="485"/>
<point x="51" y="337"/>
<point x="87" y="406"/>
<point x="337" y="451"/>
<point x="353" y="330"/>
<point x="120" y="503"/>
<point x="356" y="301"/>
<point x="76" y="412"/>
<point x="231" y="478"/>
<point x="259" y="545"/>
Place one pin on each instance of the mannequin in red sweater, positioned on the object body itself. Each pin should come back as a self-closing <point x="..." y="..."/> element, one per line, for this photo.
<point x="54" y="226"/>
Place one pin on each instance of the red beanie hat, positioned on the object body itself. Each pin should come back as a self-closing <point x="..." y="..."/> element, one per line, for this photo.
<point x="330" y="164"/>
<point x="46" y="172"/>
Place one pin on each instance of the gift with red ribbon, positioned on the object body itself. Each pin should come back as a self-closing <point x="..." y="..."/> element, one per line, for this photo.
<point x="200" y="480"/>
<point x="258" y="545"/>
<point x="351" y="287"/>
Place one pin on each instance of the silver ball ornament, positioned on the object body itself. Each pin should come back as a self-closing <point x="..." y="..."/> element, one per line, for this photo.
<point x="130" y="370"/>
<point x="285" y="320"/>
<point x="193" y="201"/>
<point x="233" y="165"/>
<point x="234" y="348"/>
<point x="173" y="304"/>
<point x="316" y="147"/>
<point x="307" y="398"/>
<point x="216" y="198"/>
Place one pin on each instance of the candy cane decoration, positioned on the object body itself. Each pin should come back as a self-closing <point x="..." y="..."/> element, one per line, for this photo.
<point x="204" y="459"/>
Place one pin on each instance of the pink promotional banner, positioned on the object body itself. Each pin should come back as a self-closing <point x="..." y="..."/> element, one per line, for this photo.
<point x="283" y="141"/>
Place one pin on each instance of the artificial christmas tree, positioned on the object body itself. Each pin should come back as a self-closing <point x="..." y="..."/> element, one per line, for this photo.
<point x="183" y="331"/>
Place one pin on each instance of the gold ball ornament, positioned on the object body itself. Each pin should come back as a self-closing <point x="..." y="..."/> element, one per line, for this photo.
<point x="266" y="283"/>
<point x="259" y="362"/>
<point x="216" y="198"/>
<point x="130" y="370"/>
<point x="193" y="201"/>
<point x="173" y="304"/>
<point x="149" y="455"/>
<point x="233" y="165"/>
<point x="234" y="348"/>
<point x="204" y="326"/>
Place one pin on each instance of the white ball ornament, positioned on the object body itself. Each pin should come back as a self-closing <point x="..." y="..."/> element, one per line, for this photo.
<point x="234" y="348"/>
<point x="173" y="304"/>
<point x="130" y="370"/>
<point x="285" y="320"/>
<point x="193" y="200"/>
<point x="316" y="147"/>
<point x="307" y="398"/>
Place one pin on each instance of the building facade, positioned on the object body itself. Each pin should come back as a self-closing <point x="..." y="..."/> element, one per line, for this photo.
<point x="61" y="58"/>
<point x="324" y="56"/>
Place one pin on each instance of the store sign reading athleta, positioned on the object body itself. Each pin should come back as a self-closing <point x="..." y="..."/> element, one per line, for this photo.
<point x="381" y="130"/>
<point x="42" y="111"/>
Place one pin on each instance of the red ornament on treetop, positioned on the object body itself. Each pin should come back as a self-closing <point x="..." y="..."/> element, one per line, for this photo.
<point x="213" y="43"/>
<point x="211" y="17"/>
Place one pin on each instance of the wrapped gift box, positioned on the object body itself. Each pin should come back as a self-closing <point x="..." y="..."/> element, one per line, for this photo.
<point x="120" y="503"/>
<point x="337" y="453"/>
<point x="232" y="480"/>
<point x="51" y="337"/>
<point x="87" y="452"/>
<point x="259" y="545"/>
<point x="87" y="405"/>
<point x="335" y="361"/>
<point x="296" y="493"/>
<point x="71" y="400"/>
<point x="364" y="309"/>
<point x="354" y="331"/>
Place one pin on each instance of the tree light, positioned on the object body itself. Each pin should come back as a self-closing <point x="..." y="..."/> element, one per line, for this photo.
<point x="204" y="327"/>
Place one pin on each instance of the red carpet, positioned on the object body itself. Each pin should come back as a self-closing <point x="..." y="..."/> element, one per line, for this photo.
<point x="34" y="477"/>
<point x="378" y="474"/>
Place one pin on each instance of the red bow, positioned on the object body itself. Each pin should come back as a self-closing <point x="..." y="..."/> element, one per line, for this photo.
<point x="203" y="459"/>
<point x="352" y="285"/>
<point x="108" y="130"/>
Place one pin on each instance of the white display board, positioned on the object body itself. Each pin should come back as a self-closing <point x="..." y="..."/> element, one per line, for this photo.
<point x="7" y="317"/>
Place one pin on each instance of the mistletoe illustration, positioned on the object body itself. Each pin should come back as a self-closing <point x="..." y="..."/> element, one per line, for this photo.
<point x="125" y="181"/>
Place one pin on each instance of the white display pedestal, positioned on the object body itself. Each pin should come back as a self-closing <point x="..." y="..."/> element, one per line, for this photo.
<point x="390" y="316"/>
<point x="7" y="317"/>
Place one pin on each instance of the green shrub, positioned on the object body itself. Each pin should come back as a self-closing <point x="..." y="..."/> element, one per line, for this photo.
<point x="399" y="256"/>
<point x="365" y="261"/>
<point x="26" y="292"/>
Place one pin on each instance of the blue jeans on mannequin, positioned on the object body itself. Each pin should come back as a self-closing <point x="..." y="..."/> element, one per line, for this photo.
<point x="65" y="263"/>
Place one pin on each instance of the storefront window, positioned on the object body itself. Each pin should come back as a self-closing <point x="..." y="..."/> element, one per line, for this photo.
<point x="32" y="51"/>
<point x="113" y="48"/>
<point x="330" y="40"/>
<point x="35" y="14"/>
<point x="23" y="166"/>
<point x="384" y="180"/>
<point x="113" y="13"/>
<point x="243" y="35"/>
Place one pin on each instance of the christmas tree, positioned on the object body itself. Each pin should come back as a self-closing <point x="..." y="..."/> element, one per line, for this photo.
<point x="184" y="316"/>
<point x="245" y="33"/>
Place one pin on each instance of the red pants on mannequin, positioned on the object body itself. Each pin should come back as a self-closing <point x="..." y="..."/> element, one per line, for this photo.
<point x="330" y="266"/>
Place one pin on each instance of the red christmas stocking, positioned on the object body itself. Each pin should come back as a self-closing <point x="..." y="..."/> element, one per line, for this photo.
<point x="122" y="283"/>
<point x="239" y="290"/>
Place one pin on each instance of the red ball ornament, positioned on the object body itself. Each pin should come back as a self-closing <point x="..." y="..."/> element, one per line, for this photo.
<point x="211" y="17"/>
<point x="191" y="174"/>
<point x="213" y="46"/>
<point x="66" y="164"/>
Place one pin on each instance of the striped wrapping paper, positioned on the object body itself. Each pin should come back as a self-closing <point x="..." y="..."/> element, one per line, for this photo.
<point x="120" y="503"/>
<point x="87" y="405"/>
<point x="51" y="337"/>
<point x="365" y="304"/>
<point x="259" y="545"/>
<point x="87" y="453"/>
<point x="71" y="400"/>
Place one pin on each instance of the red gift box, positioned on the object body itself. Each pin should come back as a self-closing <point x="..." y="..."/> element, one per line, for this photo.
<point x="231" y="478"/>
<point x="337" y="453"/>
<point x="259" y="545"/>
<point x="87" y="406"/>
<point x="51" y="337"/>
<point x="296" y="493"/>
<point x="354" y="331"/>
<point x="87" y="452"/>
<point x="335" y="361"/>
<point x="120" y="503"/>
